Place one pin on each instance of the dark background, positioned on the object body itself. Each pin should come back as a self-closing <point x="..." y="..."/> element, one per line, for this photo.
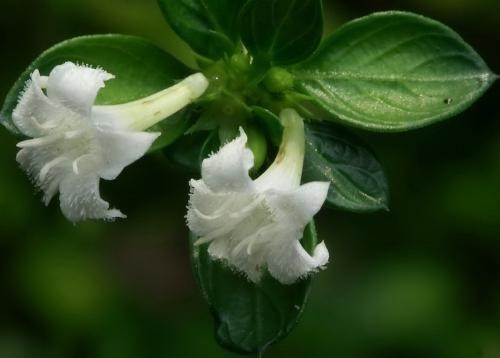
<point x="422" y="280"/>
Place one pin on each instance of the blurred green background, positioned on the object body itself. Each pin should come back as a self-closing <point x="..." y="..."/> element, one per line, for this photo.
<point x="422" y="280"/>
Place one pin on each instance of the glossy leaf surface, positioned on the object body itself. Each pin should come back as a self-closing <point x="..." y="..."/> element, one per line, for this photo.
<point x="208" y="26"/>
<point x="282" y="32"/>
<point x="394" y="71"/>
<point x="357" y="180"/>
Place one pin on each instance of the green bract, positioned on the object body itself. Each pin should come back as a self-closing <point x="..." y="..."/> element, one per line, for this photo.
<point x="394" y="71"/>
<point x="249" y="317"/>
<point x="140" y="69"/>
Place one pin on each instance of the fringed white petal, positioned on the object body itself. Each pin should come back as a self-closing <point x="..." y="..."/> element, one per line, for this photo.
<point x="34" y="160"/>
<point x="227" y="170"/>
<point x="289" y="261"/>
<point x="75" y="86"/>
<point x="214" y="214"/>
<point x="298" y="206"/>
<point x="120" y="149"/>
<point x="35" y="115"/>
<point x="248" y="265"/>
<point x="80" y="199"/>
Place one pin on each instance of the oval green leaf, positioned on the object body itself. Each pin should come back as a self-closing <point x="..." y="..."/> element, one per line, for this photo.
<point x="394" y="71"/>
<point x="140" y="69"/>
<point x="249" y="317"/>
<point x="282" y="32"/>
<point x="357" y="180"/>
<point x="210" y="27"/>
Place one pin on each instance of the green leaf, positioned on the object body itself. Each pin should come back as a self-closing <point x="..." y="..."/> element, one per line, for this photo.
<point x="140" y="69"/>
<point x="282" y="32"/>
<point x="190" y="150"/>
<point x="249" y="317"/>
<point x="357" y="180"/>
<point x="394" y="71"/>
<point x="208" y="26"/>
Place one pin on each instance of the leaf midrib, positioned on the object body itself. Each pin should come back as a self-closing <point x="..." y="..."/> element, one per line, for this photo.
<point x="280" y="26"/>
<point x="347" y="75"/>
<point x="215" y="23"/>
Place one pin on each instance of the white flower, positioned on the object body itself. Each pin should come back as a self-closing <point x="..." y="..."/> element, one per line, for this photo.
<point x="75" y="143"/>
<point x="256" y="224"/>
